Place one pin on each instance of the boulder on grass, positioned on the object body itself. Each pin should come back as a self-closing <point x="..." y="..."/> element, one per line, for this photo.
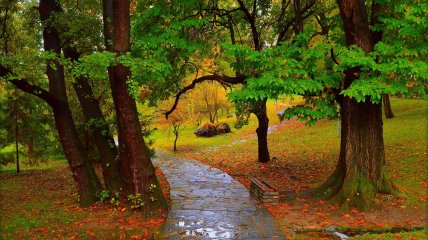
<point x="211" y="129"/>
<point x="200" y="132"/>
<point x="223" y="128"/>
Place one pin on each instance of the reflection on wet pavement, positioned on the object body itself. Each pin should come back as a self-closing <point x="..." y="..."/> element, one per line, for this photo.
<point x="209" y="204"/>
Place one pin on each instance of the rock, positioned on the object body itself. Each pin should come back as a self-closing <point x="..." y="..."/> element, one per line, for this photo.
<point x="223" y="128"/>
<point x="230" y="115"/>
<point x="211" y="129"/>
<point x="200" y="132"/>
<point x="341" y="235"/>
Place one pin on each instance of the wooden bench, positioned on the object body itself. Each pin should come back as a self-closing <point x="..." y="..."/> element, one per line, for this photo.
<point x="263" y="192"/>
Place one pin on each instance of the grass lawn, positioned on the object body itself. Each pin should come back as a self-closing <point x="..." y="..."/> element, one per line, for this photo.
<point x="306" y="156"/>
<point x="41" y="203"/>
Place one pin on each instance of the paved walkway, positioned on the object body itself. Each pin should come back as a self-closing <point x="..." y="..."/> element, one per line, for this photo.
<point x="209" y="204"/>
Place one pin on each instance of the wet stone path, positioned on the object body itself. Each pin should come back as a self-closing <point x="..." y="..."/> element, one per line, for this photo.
<point x="209" y="204"/>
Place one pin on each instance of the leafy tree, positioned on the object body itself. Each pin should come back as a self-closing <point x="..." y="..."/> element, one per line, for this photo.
<point x="23" y="78"/>
<point x="176" y="31"/>
<point x="208" y="99"/>
<point x="176" y="121"/>
<point x="138" y="170"/>
<point x="349" y="69"/>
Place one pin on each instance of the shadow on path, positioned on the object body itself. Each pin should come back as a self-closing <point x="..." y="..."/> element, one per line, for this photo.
<point x="210" y="204"/>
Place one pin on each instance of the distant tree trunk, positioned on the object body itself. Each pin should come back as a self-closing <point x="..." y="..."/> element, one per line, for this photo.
<point x="30" y="151"/>
<point x="175" y="140"/>
<point x="82" y="170"/>
<point x="144" y="180"/>
<point x="262" y="132"/>
<point x="99" y="129"/>
<point x="387" y="106"/>
<point x="361" y="171"/>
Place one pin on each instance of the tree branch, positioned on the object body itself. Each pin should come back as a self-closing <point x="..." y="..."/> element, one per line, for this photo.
<point x="333" y="57"/>
<point x="288" y="24"/>
<point x="222" y="79"/>
<point x="252" y="21"/>
<point x="25" y="86"/>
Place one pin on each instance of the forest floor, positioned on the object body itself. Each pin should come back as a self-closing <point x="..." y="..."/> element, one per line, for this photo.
<point x="306" y="156"/>
<point x="41" y="203"/>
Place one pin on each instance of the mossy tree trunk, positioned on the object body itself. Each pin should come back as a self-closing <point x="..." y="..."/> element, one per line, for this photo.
<point x="361" y="171"/>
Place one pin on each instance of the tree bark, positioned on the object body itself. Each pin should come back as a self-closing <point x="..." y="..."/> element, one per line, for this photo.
<point x="361" y="171"/>
<point x="387" y="106"/>
<point x="82" y="170"/>
<point x="262" y="132"/>
<point x="298" y="23"/>
<point x="125" y="171"/>
<point x="99" y="128"/>
<point x="139" y="164"/>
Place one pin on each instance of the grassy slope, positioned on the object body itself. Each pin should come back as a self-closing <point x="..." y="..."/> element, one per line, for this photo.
<point x="187" y="141"/>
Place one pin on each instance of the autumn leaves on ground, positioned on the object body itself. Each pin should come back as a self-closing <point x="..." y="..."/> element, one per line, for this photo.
<point x="42" y="201"/>
<point x="42" y="204"/>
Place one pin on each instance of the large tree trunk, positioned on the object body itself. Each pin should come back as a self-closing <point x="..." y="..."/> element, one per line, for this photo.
<point x="262" y="132"/>
<point x="378" y="9"/>
<point x="82" y="170"/>
<point x="125" y="171"/>
<point x="99" y="128"/>
<point x="144" y="180"/>
<point x="387" y="106"/>
<point x="361" y="171"/>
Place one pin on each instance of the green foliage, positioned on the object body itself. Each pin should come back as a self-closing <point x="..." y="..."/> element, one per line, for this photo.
<point x="103" y="195"/>
<point x="166" y="36"/>
<point x="243" y="112"/>
<point x="93" y="66"/>
<point x="302" y="66"/>
<point x="136" y="200"/>
<point x="115" y="199"/>
<point x="8" y="154"/>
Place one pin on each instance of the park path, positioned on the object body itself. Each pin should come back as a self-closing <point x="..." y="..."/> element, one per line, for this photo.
<point x="210" y="204"/>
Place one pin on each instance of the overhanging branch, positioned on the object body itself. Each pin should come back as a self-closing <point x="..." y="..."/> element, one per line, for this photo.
<point x="222" y="79"/>
<point x="27" y="87"/>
